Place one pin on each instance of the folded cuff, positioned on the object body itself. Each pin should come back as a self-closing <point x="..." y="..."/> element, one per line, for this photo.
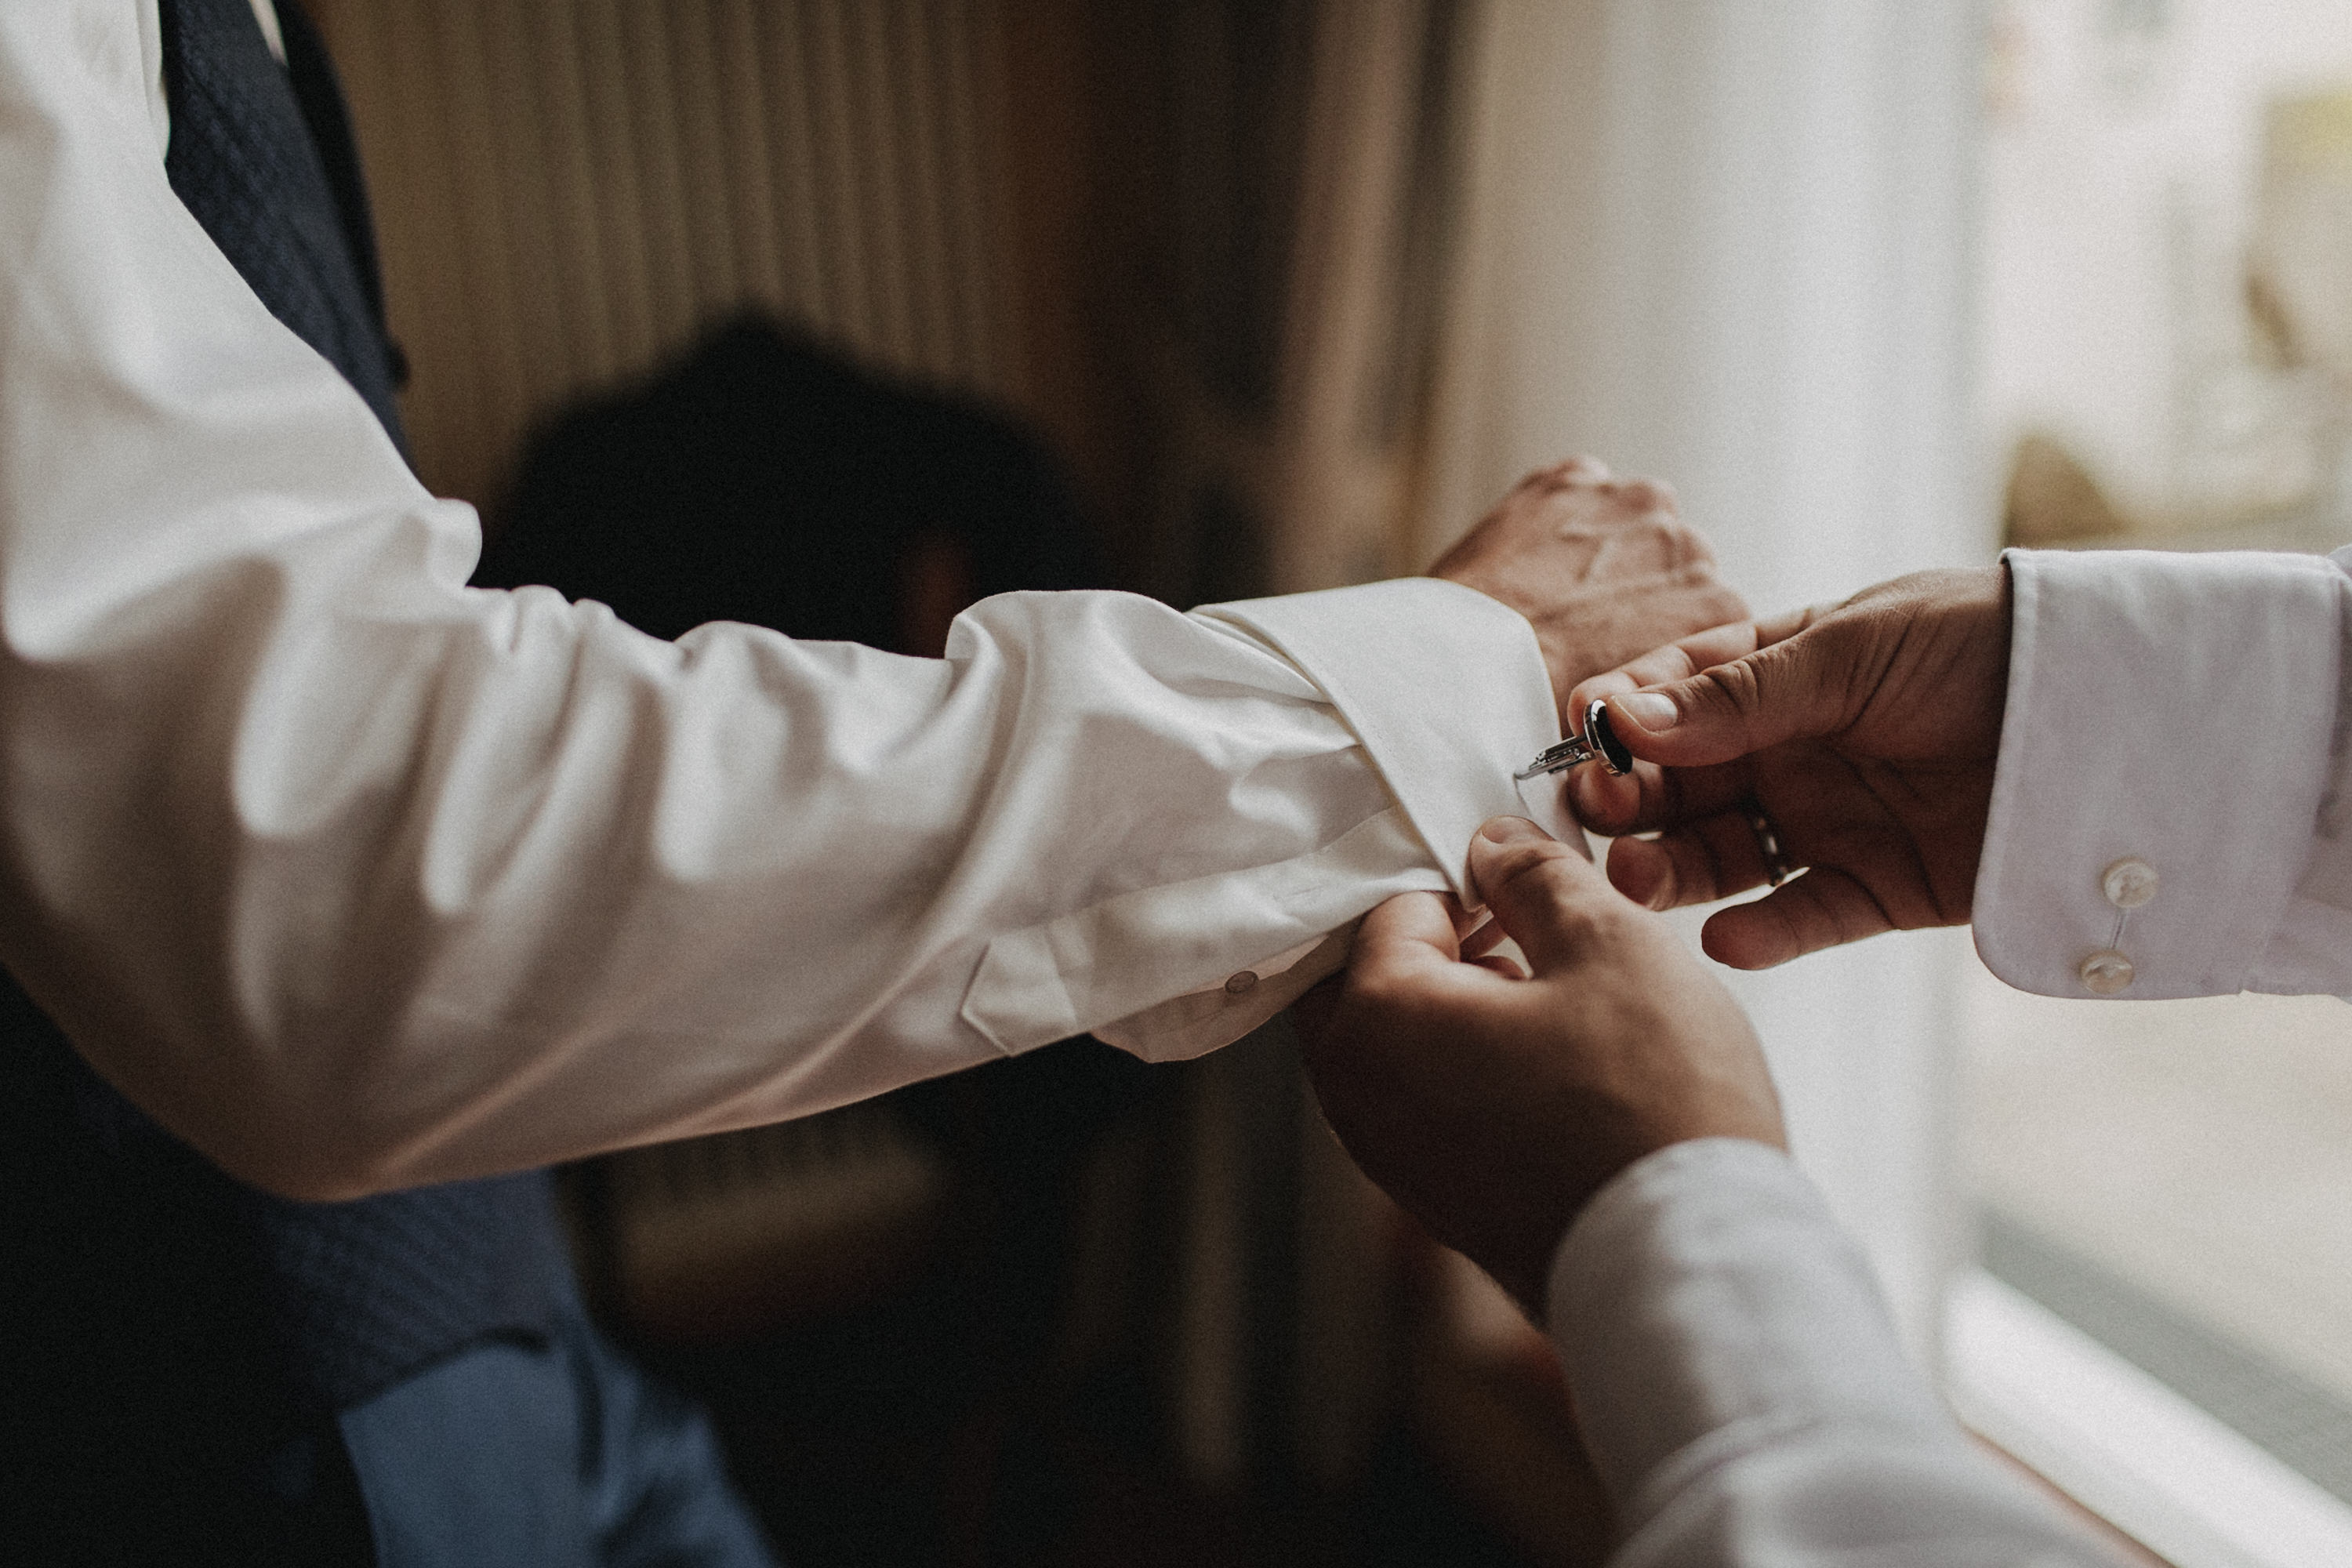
<point x="1445" y="688"/>
<point x="2170" y="708"/>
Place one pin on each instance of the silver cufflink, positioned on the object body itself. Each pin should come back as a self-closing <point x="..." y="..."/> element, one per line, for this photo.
<point x="1597" y="744"/>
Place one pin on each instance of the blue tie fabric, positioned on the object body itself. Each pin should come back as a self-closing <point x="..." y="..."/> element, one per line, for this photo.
<point x="263" y="156"/>
<point x="360" y="1294"/>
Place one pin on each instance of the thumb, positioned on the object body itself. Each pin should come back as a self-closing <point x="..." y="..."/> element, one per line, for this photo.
<point x="1412" y="933"/>
<point x="1797" y="689"/>
<point x="1407" y="940"/>
<point x="1542" y="892"/>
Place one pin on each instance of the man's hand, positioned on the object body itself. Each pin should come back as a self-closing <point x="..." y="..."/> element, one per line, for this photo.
<point x="1601" y="567"/>
<point x="1493" y="1105"/>
<point x="1867" y="734"/>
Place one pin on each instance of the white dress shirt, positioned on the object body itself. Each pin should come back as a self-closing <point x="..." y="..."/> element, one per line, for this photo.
<point x="355" y="876"/>
<point x="2170" y="818"/>
<point x="1743" y="1394"/>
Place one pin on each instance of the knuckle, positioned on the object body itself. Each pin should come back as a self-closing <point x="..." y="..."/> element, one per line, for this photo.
<point x="1369" y="988"/>
<point x="1694" y="552"/>
<point x="1380" y="991"/>
<point x="1612" y="922"/>
<point x="1535" y="873"/>
<point x="1813" y="665"/>
<point x="1723" y="602"/>
<point x="1810" y="924"/>
<point x="1645" y="495"/>
<point x="1592" y="687"/>
<point x="1734" y="685"/>
<point x="1594" y="928"/>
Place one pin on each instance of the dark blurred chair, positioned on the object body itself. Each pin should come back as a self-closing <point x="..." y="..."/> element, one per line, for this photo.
<point x="763" y="479"/>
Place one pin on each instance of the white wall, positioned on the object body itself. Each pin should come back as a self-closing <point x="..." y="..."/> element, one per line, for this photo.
<point x="1729" y="244"/>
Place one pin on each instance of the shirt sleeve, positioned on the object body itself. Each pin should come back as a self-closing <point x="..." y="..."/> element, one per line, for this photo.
<point x="2168" y="816"/>
<point x="1739" y="1387"/>
<point x="356" y="877"/>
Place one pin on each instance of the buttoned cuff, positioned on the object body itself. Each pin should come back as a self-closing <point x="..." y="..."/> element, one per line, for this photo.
<point x="1445" y="688"/>
<point x="2163" y="753"/>
<point x="1704" y="1304"/>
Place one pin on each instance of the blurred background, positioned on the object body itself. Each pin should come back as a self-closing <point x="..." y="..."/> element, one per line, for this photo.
<point x="837" y="314"/>
<point x="2166" y="343"/>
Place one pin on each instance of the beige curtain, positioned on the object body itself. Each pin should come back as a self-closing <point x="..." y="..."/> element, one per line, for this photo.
<point x="1732" y="245"/>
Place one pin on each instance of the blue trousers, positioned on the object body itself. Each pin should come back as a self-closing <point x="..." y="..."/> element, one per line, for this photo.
<point x="561" y="1455"/>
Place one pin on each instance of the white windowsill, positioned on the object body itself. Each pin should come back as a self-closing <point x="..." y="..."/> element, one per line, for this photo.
<point x="2127" y="1447"/>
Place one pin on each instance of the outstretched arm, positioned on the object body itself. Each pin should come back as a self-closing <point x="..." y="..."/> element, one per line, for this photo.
<point x="354" y="877"/>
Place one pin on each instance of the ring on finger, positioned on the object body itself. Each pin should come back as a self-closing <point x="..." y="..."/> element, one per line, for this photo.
<point x="1777" y="868"/>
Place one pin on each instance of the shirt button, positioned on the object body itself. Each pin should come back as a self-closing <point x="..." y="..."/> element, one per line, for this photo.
<point x="1240" y="982"/>
<point x="2128" y="883"/>
<point x="2106" y="973"/>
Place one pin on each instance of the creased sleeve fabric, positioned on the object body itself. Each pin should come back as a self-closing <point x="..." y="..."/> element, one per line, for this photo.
<point x="1740" y="1388"/>
<point x="2184" y="714"/>
<point x="356" y="877"/>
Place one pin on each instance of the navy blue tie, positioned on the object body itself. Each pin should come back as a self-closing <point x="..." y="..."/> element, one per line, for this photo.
<point x="153" y="1252"/>
<point x="262" y="154"/>
<point x="172" y="1341"/>
<point x="263" y="157"/>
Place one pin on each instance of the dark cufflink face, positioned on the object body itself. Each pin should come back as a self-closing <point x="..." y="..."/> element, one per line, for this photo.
<point x="1602" y="735"/>
<point x="1597" y="744"/>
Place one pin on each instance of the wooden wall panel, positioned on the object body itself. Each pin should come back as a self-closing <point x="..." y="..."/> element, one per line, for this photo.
<point x="569" y="190"/>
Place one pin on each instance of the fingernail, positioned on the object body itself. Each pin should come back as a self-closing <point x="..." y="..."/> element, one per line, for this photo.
<point x="1503" y="829"/>
<point x="1648" y="709"/>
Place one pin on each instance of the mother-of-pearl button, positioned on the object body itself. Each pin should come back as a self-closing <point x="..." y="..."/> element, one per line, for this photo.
<point x="2105" y="973"/>
<point x="1240" y="982"/>
<point x="2128" y="883"/>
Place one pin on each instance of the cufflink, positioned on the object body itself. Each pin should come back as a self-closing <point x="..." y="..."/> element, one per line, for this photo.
<point x="1597" y="744"/>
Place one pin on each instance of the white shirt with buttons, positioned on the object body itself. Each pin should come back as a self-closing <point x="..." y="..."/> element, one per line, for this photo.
<point x="2171" y="816"/>
<point x="2169" y="811"/>
<point x="347" y="870"/>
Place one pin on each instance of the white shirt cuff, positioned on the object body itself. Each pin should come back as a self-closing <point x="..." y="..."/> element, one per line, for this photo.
<point x="1445" y="688"/>
<point x="1705" y="1304"/>
<point x="2169" y="708"/>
